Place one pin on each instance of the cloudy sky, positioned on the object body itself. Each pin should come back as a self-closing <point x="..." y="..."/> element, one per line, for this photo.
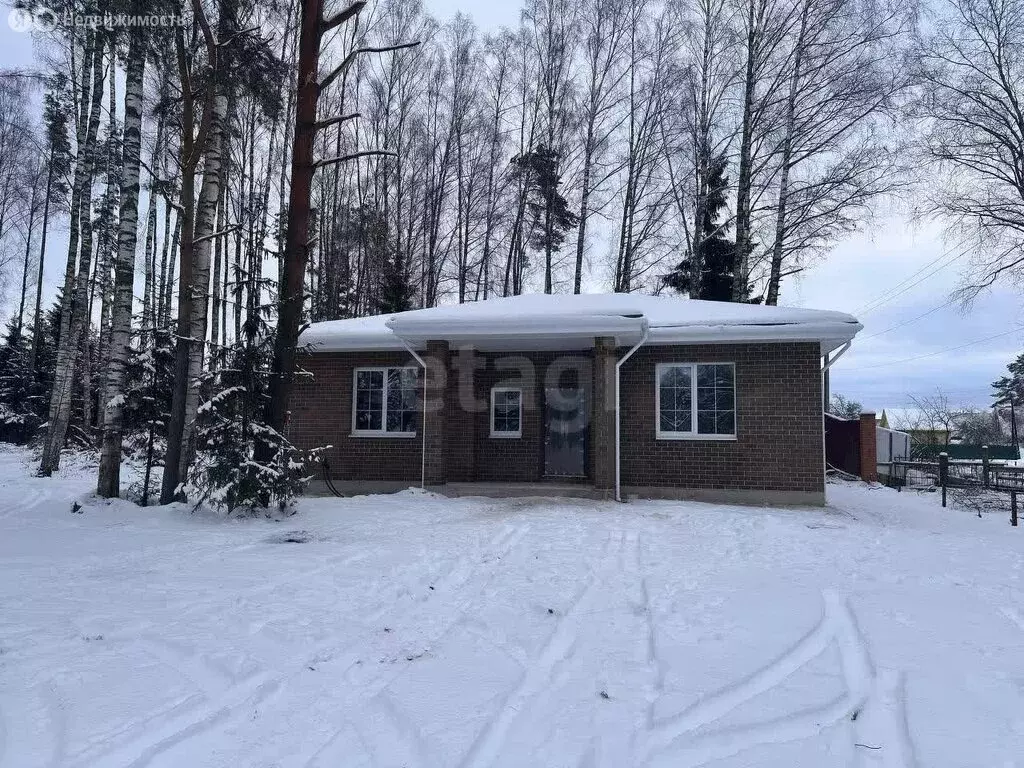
<point x="895" y="277"/>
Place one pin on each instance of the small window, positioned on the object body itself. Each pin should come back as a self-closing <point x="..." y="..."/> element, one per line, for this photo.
<point x="696" y="400"/>
<point x="384" y="402"/>
<point x="506" y="412"/>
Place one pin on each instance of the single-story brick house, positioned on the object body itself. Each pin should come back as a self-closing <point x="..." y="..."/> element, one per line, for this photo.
<point x="598" y="395"/>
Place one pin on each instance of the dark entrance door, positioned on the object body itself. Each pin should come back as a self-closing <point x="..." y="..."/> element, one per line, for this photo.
<point x="565" y="432"/>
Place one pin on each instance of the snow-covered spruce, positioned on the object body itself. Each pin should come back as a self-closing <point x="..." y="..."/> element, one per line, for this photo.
<point x="229" y="430"/>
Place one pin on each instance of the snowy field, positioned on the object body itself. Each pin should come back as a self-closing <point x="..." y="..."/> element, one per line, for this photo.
<point x="411" y="630"/>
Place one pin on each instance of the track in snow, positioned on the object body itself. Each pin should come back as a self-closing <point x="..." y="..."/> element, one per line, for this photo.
<point x="872" y="704"/>
<point x="621" y="554"/>
<point x="221" y="707"/>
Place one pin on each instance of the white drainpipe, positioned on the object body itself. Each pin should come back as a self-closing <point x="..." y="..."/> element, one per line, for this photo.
<point x="644" y="328"/>
<point x="423" y="414"/>
<point x="824" y="369"/>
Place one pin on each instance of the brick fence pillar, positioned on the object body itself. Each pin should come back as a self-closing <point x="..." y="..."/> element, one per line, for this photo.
<point x="602" y="422"/>
<point x="868" y="448"/>
<point x="435" y="413"/>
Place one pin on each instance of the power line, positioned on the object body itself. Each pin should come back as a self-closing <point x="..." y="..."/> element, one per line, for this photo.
<point x="908" y="322"/>
<point x="943" y="351"/>
<point x="948" y="257"/>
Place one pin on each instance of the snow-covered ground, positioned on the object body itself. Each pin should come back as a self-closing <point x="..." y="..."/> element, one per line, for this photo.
<point x="411" y="630"/>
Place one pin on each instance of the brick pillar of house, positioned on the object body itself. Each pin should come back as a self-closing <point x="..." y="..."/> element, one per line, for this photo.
<point x="868" y="448"/>
<point x="602" y="423"/>
<point x="462" y="412"/>
<point x="435" y="415"/>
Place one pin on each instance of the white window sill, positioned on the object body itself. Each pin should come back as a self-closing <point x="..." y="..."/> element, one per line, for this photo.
<point x="381" y="433"/>
<point x="506" y="435"/>
<point x="679" y="436"/>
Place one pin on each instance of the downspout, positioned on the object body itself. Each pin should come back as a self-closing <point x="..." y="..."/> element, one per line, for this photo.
<point x="829" y="362"/>
<point x="644" y="329"/>
<point x="423" y="411"/>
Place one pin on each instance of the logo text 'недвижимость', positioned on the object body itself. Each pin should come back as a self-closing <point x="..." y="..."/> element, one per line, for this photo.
<point x="46" y="20"/>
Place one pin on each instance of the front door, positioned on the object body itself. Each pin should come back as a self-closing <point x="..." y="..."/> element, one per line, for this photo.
<point x="565" y="432"/>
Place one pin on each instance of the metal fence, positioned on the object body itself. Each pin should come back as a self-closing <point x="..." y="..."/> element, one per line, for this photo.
<point x="980" y="485"/>
<point x="889" y="444"/>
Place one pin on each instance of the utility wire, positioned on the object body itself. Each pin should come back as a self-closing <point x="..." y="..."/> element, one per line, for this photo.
<point x="908" y="322"/>
<point x="948" y="257"/>
<point x="943" y="351"/>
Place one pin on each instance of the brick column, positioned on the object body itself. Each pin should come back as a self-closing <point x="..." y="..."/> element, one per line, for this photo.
<point x="868" y="448"/>
<point x="602" y="415"/>
<point x="435" y="413"/>
<point x="462" y="413"/>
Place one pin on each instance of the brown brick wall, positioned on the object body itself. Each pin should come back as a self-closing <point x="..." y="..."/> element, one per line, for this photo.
<point x="322" y="415"/>
<point x="779" y="426"/>
<point x="522" y="459"/>
<point x="778" y="422"/>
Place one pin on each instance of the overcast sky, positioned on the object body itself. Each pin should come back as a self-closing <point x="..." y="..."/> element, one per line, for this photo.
<point x="859" y="272"/>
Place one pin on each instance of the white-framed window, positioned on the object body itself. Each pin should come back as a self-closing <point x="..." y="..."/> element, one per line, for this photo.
<point x="384" y="402"/>
<point x="506" y="412"/>
<point x="695" y="401"/>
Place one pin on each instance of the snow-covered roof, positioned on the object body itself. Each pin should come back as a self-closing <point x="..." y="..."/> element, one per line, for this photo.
<point x="556" y="321"/>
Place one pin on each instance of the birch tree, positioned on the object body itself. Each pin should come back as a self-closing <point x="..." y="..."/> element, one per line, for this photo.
<point x="604" y="28"/>
<point x="75" y="296"/>
<point x="845" y="76"/>
<point x="108" y="483"/>
<point x="765" y="27"/>
<point x="971" y="66"/>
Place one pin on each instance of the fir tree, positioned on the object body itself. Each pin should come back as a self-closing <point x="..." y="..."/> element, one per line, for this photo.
<point x="712" y="256"/>
<point x="230" y="426"/>
<point x="396" y="293"/>
<point x="18" y="416"/>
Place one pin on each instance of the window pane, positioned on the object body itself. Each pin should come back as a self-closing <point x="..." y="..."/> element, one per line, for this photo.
<point x="369" y="398"/>
<point x="506" y="411"/>
<point x="726" y="422"/>
<point x="706" y="422"/>
<point x="675" y="395"/>
<point x="402" y="405"/>
<point x="716" y="400"/>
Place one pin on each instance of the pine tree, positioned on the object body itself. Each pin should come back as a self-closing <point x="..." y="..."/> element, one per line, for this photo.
<point x="549" y="216"/>
<point x="712" y="254"/>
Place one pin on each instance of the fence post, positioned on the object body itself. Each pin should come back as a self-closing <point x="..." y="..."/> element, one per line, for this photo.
<point x="1013" y="508"/>
<point x="943" y="474"/>
<point x="984" y="465"/>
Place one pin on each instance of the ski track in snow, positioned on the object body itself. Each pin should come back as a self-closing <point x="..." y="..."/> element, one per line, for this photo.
<point x="864" y="690"/>
<point x="558" y="650"/>
<point x="316" y="641"/>
<point x="370" y="685"/>
<point x="217" y="711"/>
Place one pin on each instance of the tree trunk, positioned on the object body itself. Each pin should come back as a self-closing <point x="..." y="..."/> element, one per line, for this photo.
<point x="206" y="217"/>
<point x="296" y="249"/>
<point x="109" y="480"/>
<point x="775" y="275"/>
<point x="37" y="313"/>
<point x="28" y="255"/>
<point x="191" y="146"/>
<point x="75" y="299"/>
<point x="741" y="271"/>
